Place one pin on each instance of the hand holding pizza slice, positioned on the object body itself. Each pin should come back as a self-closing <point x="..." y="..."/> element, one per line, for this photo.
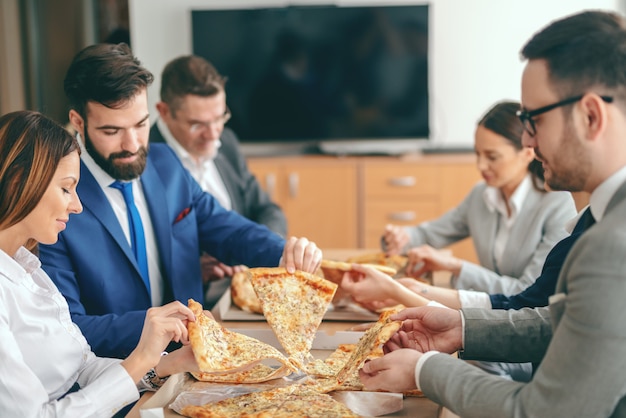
<point x="219" y="351"/>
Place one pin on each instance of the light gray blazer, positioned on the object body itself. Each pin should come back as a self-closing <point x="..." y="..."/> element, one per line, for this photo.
<point x="580" y="338"/>
<point x="539" y="225"/>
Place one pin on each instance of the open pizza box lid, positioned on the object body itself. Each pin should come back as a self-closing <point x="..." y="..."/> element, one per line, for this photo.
<point x="226" y="310"/>
<point x="324" y="343"/>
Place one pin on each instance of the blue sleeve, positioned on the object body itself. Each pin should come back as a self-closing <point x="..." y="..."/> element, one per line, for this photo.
<point x="538" y="293"/>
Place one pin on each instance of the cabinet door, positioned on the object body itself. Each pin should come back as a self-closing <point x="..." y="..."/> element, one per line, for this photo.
<point x="457" y="179"/>
<point x="380" y="212"/>
<point x="321" y="203"/>
<point x="268" y="174"/>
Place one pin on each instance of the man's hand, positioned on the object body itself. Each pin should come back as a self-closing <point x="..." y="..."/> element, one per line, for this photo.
<point x="393" y="372"/>
<point x="213" y="269"/>
<point x="427" y="328"/>
<point x="301" y="254"/>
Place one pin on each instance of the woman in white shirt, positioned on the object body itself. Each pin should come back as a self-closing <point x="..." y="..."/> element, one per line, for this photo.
<point x="512" y="220"/>
<point x="47" y="369"/>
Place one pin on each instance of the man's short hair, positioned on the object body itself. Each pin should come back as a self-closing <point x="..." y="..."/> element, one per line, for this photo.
<point x="189" y="74"/>
<point x="583" y="51"/>
<point x="108" y="74"/>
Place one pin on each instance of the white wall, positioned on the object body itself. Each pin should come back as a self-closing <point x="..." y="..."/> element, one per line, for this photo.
<point x="474" y="48"/>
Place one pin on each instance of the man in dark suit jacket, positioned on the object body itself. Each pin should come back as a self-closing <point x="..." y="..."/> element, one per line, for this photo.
<point x="575" y="117"/>
<point x="97" y="262"/>
<point x="192" y="114"/>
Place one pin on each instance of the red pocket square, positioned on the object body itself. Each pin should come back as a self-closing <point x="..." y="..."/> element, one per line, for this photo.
<point x="182" y="215"/>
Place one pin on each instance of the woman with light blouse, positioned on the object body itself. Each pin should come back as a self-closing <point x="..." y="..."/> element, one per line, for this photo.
<point x="512" y="220"/>
<point x="47" y="367"/>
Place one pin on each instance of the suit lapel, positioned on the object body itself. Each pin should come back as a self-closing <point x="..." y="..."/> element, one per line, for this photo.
<point x="228" y="175"/>
<point x="159" y="214"/>
<point x="95" y="201"/>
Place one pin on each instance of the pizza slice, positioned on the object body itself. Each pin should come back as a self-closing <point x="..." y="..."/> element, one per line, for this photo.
<point x="396" y="261"/>
<point x="218" y="350"/>
<point x="334" y="270"/>
<point x="371" y="340"/>
<point x="293" y="305"/>
<point x="285" y="402"/>
<point x="258" y="374"/>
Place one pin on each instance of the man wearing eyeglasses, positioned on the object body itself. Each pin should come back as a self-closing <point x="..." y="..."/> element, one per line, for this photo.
<point x="193" y="113"/>
<point x="574" y="114"/>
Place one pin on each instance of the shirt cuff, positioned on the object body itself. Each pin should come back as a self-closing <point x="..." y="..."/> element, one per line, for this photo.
<point x="472" y="299"/>
<point x="420" y="363"/>
<point x="436" y="304"/>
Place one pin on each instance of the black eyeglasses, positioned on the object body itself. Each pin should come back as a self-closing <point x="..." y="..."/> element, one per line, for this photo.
<point x="526" y="117"/>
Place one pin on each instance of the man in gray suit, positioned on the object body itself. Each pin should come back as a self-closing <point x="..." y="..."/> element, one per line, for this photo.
<point x="192" y="115"/>
<point x="574" y="113"/>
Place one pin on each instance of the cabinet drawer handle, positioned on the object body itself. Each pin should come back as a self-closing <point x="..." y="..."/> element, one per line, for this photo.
<point x="407" y="181"/>
<point x="403" y="216"/>
<point x="270" y="184"/>
<point x="294" y="184"/>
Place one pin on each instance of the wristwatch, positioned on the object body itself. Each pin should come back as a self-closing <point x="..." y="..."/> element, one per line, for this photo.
<point x="152" y="381"/>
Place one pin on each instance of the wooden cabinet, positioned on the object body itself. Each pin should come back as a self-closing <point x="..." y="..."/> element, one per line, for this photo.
<point x="317" y="193"/>
<point x="343" y="202"/>
<point x="411" y="190"/>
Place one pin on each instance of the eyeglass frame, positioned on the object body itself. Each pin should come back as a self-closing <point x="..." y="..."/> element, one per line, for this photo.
<point x="201" y="126"/>
<point x="526" y="117"/>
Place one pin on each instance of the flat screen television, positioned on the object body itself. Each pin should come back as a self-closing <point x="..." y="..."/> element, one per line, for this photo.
<point x="349" y="79"/>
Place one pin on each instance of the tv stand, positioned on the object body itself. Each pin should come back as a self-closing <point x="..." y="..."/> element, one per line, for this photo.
<point x="373" y="147"/>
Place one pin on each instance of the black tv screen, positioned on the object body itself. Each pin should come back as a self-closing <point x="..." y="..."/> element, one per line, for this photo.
<point x="322" y="73"/>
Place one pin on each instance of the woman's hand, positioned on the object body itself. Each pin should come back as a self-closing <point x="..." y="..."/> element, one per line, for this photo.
<point x="396" y="238"/>
<point x="425" y="258"/>
<point x="162" y="325"/>
<point x="366" y="285"/>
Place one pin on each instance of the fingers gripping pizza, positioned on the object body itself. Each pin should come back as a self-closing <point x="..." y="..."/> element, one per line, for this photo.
<point x="293" y="305"/>
<point x="334" y="270"/>
<point x="218" y="350"/>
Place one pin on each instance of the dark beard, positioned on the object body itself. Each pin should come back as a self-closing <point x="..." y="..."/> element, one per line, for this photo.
<point x="109" y="165"/>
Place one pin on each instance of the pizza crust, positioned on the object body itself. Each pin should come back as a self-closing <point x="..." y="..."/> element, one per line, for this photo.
<point x="243" y="293"/>
<point x="218" y="350"/>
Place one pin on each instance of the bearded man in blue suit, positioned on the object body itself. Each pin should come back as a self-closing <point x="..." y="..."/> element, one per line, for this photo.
<point x="111" y="272"/>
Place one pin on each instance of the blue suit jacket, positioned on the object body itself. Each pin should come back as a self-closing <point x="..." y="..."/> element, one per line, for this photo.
<point x="93" y="265"/>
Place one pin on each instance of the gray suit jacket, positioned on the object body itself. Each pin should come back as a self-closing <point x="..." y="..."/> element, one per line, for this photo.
<point x="246" y="195"/>
<point x="539" y="225"/>
<point x="580" y="338"/>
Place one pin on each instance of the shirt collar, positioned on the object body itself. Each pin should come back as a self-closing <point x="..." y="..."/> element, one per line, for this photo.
<point x="16" y="268"/>
<point x="181" y="152"/>
<point x="602" y="195"/>
<point x="495" y="201"/>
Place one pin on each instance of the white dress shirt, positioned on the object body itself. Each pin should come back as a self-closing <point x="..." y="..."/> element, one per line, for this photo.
<point x="43" y="353"/>
<point x="495" y="203"/>
<point x="116" y="199"/>
<point x="203" y="171"/>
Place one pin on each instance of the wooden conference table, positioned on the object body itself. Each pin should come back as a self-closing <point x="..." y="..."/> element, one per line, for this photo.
<point x="413" y="407"/>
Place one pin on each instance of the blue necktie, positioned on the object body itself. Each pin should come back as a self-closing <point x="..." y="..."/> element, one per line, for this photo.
<point x="137" y="237"/>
